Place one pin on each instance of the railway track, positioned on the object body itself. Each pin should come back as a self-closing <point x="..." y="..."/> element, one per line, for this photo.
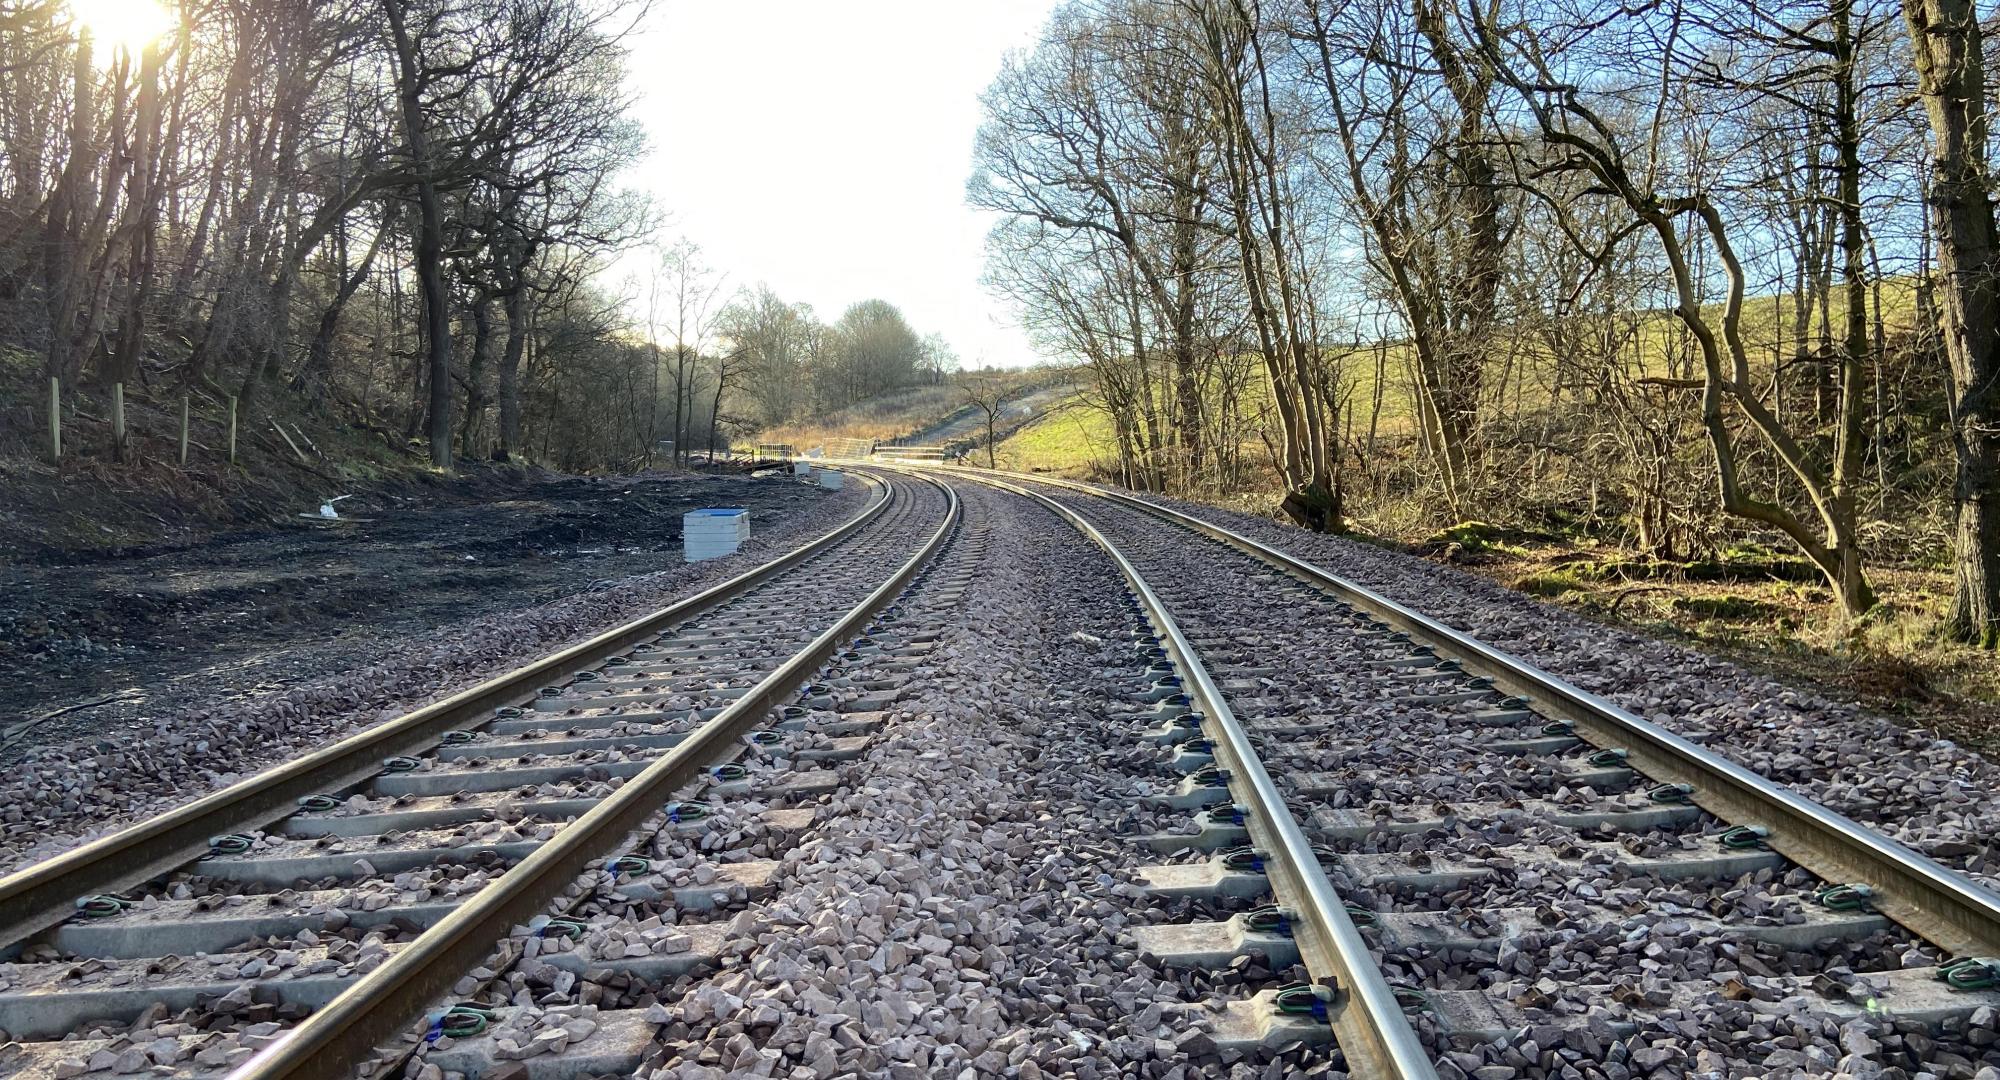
<point x="305" y="936"/>
<point x="1363" y="831"/>
<point x="1538" y="873"/>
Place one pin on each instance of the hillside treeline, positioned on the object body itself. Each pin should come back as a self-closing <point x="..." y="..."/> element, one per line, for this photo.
<point x="403" y="215"/>
<point x="387" y="207"/>
<point x="1666" y="274"/>
<point x="789" y="365"/>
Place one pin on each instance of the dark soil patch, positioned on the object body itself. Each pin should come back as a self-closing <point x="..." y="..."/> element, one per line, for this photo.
<point x="93" y="637"/>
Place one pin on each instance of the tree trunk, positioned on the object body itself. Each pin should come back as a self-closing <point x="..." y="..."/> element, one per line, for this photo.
<point x="437" y="319"/>
<point x="1946" y="37"/>
<point x="515" y="306"/>
<point x="1854" y="356"/>
<point x="1186" y="271"/>
<point x="1476" y="192"/>
<point x="475" y="376"/>
<point x="429" y="245"/>
<point x="143" y="208"/>
<point x="683" y="402"/>
<point x="316" y="377"/>
<point x="653" y="406"/>
<point x="714" y="420"/>
<point x="1262" y="254"/>
<point x="62" y="257"/>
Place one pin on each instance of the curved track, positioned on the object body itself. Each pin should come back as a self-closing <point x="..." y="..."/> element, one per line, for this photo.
<point x="420" y="867"/>
<point x="1352" y="826"/>
<point x="1458" y="795"/>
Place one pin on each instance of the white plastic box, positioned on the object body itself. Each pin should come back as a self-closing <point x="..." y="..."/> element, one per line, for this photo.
<point x="802" y="467"/>
<point x="713" y="532"/>
<point x="829" y="479"/>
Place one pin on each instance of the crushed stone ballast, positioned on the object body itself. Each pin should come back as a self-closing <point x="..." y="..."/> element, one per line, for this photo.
<point x="332" y="900"/>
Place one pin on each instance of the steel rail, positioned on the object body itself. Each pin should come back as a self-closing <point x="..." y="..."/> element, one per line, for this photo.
<point x="1368" y="1022"/>
<point x="328" y="1044"/>
<point x="42" y="895"/>
<point x="1945" y="908"/>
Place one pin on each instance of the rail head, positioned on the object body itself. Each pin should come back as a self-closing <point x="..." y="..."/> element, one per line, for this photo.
<point x="1368" y="1021"/>
<point x="43" y="894"/>
<point x="1945" y="908"/>
<point x="346" y="1031"/>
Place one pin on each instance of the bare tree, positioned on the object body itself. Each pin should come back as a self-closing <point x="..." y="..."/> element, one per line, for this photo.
<point x="184" y="210"/>
<point x="1628" y="164"/>
<point x="1410" y="110"/>
<point x="989" y="392"/>
<point x="1258" y="160"/>
<point x="769" y="345"/>
<point x="1142" y="142"/>
<point x="694" y="288"/>
<point x="1947" y="45"/>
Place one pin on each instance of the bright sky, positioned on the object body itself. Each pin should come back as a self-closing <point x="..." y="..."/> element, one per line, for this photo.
<point x="823" y="147"/>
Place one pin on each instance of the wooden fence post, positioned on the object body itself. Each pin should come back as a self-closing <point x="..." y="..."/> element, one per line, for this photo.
<point x="55" y="419"/>
<point x="118" y="421"/>
<point x="275" y="426"/>
<point x="232" y="431"/>
<point x="184" y="430"/>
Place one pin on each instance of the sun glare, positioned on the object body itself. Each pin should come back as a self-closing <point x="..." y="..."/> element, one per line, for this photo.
<point x="121" y="26"/>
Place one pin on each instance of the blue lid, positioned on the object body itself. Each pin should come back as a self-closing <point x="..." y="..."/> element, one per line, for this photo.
<point x="722" y="511"/>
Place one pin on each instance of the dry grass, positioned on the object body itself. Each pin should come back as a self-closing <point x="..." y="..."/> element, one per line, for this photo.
<point x="1760" y="610"/>
<point x="885" y="416"/>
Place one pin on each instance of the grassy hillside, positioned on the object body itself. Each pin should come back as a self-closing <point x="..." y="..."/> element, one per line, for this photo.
<point x="1379" y="393"/>
<point x="1073" y="438"/>
<point x="880" y="418"/>
<point x="889" y="416"/>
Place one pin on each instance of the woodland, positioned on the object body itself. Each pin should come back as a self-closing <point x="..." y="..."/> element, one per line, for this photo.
<point x="401" y="216"/>
<point x="1676" y="275"/>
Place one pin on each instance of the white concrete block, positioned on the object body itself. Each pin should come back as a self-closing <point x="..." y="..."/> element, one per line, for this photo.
<point x="713" y="532"/>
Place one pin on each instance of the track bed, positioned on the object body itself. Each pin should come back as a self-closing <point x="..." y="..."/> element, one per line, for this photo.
<point x="1010" y="779"/>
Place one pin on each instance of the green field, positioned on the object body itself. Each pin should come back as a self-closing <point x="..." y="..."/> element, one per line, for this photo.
<point x="1073" y="438"/>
